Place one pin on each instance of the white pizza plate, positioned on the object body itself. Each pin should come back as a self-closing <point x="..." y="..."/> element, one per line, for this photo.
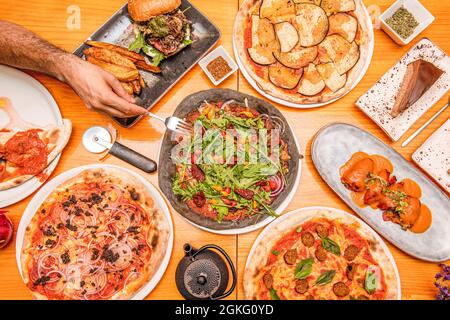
<point x="255" y="85"/>
<point x="34" y="104"/>
<point x="37" y="200"/>
<point x="302" y="216"/>
<point x="268" y="220"/>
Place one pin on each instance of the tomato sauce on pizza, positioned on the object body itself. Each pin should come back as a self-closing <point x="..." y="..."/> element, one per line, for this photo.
<point x="27" y="151"/>
<point x="321" y="259"/>
<point x="91" y="240"/>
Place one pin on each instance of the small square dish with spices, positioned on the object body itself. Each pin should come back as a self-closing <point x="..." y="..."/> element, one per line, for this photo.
<point x="404" y="20"/>
<point x="218" y="65"/>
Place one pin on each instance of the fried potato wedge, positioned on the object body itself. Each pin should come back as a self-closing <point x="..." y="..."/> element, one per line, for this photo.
<point x="343" y="53"/>
<point x="283" y="77"/>
<point x="136" y="87"/>
<point x="147" y="67"/>
<point x="277" y="10"/>
<point x="287" y="35"/>
<point x="311" y="82"/>
<point x="344" y="25"/>
<point x="123" y="74"/>
<point x="141" y="81"/>
<point x="110" y="56"/>
<point x="128" y="87"/>
<point x="333" y="80"/>
<point x="335" y="6"/>
<point x="121" y="50"/>
<point x="312" y="24"/>
<point x="298" y="58"/>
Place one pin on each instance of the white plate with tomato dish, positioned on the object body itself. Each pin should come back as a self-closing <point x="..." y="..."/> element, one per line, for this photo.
<point x="385" y="190"/>
<point x="24" y="99"/>
<point x="320" y="253"/>
<point x="66" y="238"/>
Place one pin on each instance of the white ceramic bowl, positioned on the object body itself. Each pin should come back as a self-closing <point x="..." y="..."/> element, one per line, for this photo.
<point x="420" y="13"/>
<point x="219" y="51"/>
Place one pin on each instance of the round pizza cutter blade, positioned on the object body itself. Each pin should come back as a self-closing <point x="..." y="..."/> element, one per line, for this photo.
<point x="91" y="136"/>
<point x="98" y="139"/>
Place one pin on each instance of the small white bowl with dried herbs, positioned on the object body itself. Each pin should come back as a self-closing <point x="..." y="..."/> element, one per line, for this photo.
<point x="404" y="20"/>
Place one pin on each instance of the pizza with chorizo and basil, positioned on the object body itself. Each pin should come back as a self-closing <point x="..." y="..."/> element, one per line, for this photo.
<point x="320" y="254"/>
<point x="98" y="236"/>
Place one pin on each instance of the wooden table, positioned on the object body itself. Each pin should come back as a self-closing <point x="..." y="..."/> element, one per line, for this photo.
<point x="48" y="19"/>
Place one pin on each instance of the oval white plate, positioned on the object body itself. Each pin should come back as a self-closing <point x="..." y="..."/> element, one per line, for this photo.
<point x="311" y="105"/>
<point x="304" y="217"/>
<point x="37" y="200"/>
<point x="331" y="148"/>
<point x="266" y="221"/>
<point x="34" y="104"/>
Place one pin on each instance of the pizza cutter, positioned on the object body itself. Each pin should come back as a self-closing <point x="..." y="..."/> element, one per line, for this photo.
<point x="98" y="139"/>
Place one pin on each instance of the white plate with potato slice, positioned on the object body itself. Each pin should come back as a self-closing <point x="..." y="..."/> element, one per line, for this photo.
<point x="303" y="54"/>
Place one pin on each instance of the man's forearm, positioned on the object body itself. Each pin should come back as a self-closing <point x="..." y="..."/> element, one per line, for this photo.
<point x="21" y="48"/>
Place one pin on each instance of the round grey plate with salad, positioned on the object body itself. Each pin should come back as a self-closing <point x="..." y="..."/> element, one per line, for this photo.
<point x="222" y="197"/>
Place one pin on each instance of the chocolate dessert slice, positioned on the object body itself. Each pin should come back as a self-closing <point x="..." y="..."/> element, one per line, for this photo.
<point x="420" y="76"/>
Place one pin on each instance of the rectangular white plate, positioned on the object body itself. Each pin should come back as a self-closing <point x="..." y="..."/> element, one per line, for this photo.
<point x="378" y="101"/>
<point x="434" y="156"/>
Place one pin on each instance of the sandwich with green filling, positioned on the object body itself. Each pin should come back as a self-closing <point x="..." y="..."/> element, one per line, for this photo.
<point x="161" y="28"/>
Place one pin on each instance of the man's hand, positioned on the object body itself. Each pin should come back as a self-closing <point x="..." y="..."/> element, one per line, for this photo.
<point x="99" y="90"/>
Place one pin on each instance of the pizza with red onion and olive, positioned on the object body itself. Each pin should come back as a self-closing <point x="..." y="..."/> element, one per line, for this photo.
<point x="328" y="255"/>
<point x="232" y="188"/>
<point x="98" y="236"/>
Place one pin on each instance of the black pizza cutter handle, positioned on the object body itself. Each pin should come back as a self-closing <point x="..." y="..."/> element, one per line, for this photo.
<point x="132" y="157"/>
<point x="230" y="263"/>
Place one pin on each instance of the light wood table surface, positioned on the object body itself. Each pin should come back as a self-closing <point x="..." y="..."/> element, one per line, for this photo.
<point x="48" y="19"/>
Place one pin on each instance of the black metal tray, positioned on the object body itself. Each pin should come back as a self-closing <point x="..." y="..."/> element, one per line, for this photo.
<point x="116" y="29"/>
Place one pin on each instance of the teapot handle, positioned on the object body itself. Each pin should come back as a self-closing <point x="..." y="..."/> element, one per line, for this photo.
<point x="230" y="263"/>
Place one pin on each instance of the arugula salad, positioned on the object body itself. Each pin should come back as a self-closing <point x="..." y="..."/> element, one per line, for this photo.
<point x="231" y="185"/>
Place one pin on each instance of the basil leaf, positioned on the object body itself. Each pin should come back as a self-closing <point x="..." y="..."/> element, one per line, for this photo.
<point x="371" y="282"/>
<point x="331" y="246"/>
<point x="326" y="277"/>
<point x="275" y="252"/>
<point x="304" y="268"/>
<point x="274" y="295"/>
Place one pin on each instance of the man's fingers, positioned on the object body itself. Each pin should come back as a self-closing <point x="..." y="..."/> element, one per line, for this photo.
<point x="118" y="89"/>
<point x="122" y="105"/>
<point x="110" y="111"/>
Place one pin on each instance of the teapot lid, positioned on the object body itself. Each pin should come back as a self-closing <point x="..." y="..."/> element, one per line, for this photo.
<point x="203" y="274"/>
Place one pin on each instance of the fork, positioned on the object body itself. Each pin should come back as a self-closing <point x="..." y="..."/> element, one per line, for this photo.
<point x="174" y="124"/>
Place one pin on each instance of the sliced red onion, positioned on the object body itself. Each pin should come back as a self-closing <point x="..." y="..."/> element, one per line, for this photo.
<point x="6" y="229"/>
<point x="280" y="185"/>
<point x="226" y="103"/>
